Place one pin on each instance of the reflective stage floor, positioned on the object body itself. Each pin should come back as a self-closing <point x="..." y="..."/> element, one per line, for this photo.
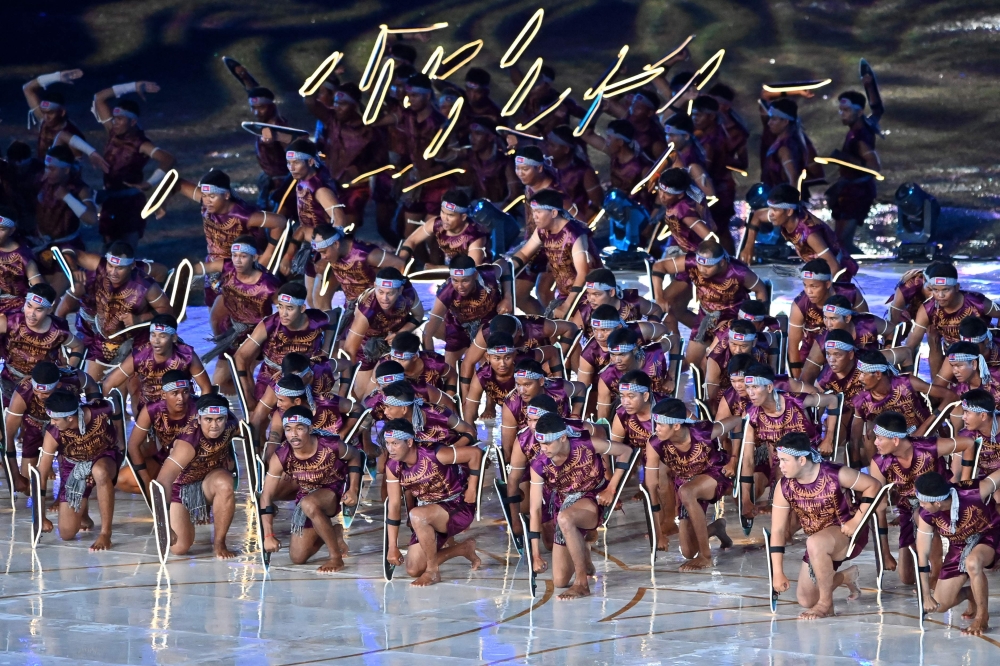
<point x="67" y="605"/>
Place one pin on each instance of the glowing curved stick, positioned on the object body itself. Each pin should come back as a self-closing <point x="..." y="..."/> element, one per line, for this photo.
<point x="432" y="64"/>
<point x="402" y="171"/>
<point x="665" y="234"/>
<point x="521" y="93"/>
<point x="712" y="200"/>
<point x="322" y="73"/>
<point x="671" y="54"/>
<point x="410" y="31"/>
<point x="369" y="174"/>
<point x="511" y="130"/>
<point x="802" y="177"/>
<point x="587" y="117"/>
<point x="597" y="218"/>
<point x="714" y="60"/>
<point x="378" y="50"/>
<point x="654" y="171"/>
<point x="794" y="88"/>
<point x="739" y="171"/>
<point x="535" y="24"/>
<point x="381" y="88"/>
<point x="591" y="93"/>
<point x="553" y="107"/>
<point x="632" y="82"/>
<point x="160" y="194"/>
<point x="442" y="134"/>
<point x="477" y="45"/>
<point x="326" y="280"/>
<point x="834" y="160"/>
<point x="513" y="203"/>
<point x="427" y="180"/>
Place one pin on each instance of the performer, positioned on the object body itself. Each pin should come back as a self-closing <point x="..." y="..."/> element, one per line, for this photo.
<point x="492" y="170"/>
<point x="531" y="168"/>
<point x="48" y="109"/>
<point x="26" y="414"/>
<point x="971" y="370"/>
<point x="626" y="356"/>
<point x="127" y="152"/>
<point x="809" y="236"/>
<point x="866" y="330"/>
<point x="901" y="459"/>
<point x="18" y="269"/>
<point x="720" y="285"/>
<point x="442" y="481"/>
<point x="390" y="307"/>
<point x="601" y="288"/>
<point x="273" y="181"/>
<point x="477" y="95"/>
<point x="710" y="133"/>
<point x="293" y="328"/>
<point x="153" y="354"/>
<point x="418" y="124"/>
<point x="199" y="473"/>
<point x="321" y="466"/>
<point x="572" y="469"/>
<point x="688" y="153"/>
<point x="156" y="427"/>
<point x="684" y="214"/>
<point x="640" y="113"/>
<point x="528" y="332"/>
<point x="472" y="296"/>
<point x="452" y="231"/>
<point x="628" y="161"/>
<point x="785" y="149"/>
<point x="530" y="380"/>
<point x="805" y="317"/>
<point x="496" y="376"/>
<point x="980" y="421"/>
<point x="742" y="339"/>
<point x="970" y="522"/>
<point x="735" y="127"/>
<point x="604" y="321"/>
<point x="840" y="375"/>
<point x="816" y="492"/>
<point x="575" y="174"/>
<point x="694" y="463"/>
<point x="567" y="245"/>
<point x="90" y="446"/>
<point x="331" y="416"/>
<point x="432" y="425"/>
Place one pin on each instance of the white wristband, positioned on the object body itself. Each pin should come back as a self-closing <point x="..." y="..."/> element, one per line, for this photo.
<point x="123" y="88"/>
<point x="81" y="145"/>
<point x="46" y="80"/>
<point x="156" y="177"/>
<point x="77" y="206"/>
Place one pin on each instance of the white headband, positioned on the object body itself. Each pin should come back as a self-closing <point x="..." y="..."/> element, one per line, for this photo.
<point x="173" y="386"/>
<point x="297" y="418"/>
<point x="632" y="388"/>
<point x="288" y="299"/>
<point x="40" y="301"/>
<point x="245" y="248"/>
<point x="213" y="411"/>
<point x="119" y="261"/>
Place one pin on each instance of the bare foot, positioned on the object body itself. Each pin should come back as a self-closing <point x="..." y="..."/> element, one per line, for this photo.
<point x="816" y="612"/>
<point x="467" y="549"/>
<point x="591" y="569"/>
<point x="86" y="524"/>
<point x="103" y="542"/>
<point x="427" y="578"/>
<point x="333" y="564"/>
<point x="718" y="530"/>
<point x="223" y="553"/>
<point x="576" y="591"/>
<point x="970" y="611"/>
<point x="978" y="626"/>
<point x="851" y="583"/>
<point x="669" y="528"/>
<point x="696" y="563"/>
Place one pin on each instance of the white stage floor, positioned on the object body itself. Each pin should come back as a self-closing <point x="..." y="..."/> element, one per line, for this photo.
<point x="67" y="605"/>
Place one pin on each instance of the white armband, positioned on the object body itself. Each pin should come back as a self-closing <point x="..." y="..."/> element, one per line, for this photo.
<point x="123" y="88"/>
<point x="77" y="206"/>
<point x="81" y="145"/>
<point x="46" y="80"/>
<point x="156" y="177"/>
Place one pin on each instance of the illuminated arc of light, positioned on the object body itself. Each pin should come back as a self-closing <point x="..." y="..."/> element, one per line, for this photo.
<point x="536" y="20"/>
<point x="381" y="88"/>
<point x="477" y="45"/>
<point x="712" y="200"/>
<point x="546" y="112"/>
<point x="665" y="234"/>
<point x="369" y="174"/>
<point x="160" y="194"/>
<point x="433" y="62"/>
<point x="597" y="218"/>
<point x="521" y="93"/>
<point x="378" y="50"/>
<point x="513" y="203"/>
<point x="591" y="93"/>
<point x="834" y="160"/>
<point x="654" y="170"/>
<point x="322" y="73"/>
<point x="431" y="178"/>
<point x="402" y="171"/>
<point x="739" y="171"/>
<point x="716" y="59"/>
<point x="670" y="55"/>
<point x="442" y="134"/>
<point x="587" y="117"/>
<point x="802" y="177"/>
<point x="409" y="31"/>
<point x="503" y="128"/>
<point x="810" y="86"/>
<point x="632" y="82"/>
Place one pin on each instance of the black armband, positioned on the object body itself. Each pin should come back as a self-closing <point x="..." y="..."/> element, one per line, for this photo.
<point x="518" y="262"/>
<point x="393" y="523"/>
<point x="42" y="492"/>
<point x="241" y="373"/>
<point x="464" y="435"/>
<point x="924" y="569"/>
<point x="269" y="510"/>
<point x="450" y="388"/>
<point x="797" y="366"/>
<point x="775" y="549"/>
<point x="139" y="468"/>
<point x="968" y="463"/>
<point x="407" y="249"/>
<point x="866" y="500"/>
<point x="465" y="380"/>
<point x="351" y="469"/>
<point x="355" y="415"/>
<point x="506" y="278"/>
<point x="576" y="399"/>
<point x="474" y="472"/>
<point x="413" y="320"/>
<point x="558" y="369"/>
<point x="621" y="465"/>
<point x="675" y="357"/>
<point x="746" y="479"/>
<point x="533" y="535"/>
<point x="575" y="289"/>
<point x="755" y="227"/>
<point x="659" y="274"/>
<point x="883" y="531"/>
<point x="75" y="354"/>
<point x="271" y="241"/>
<point x="513" y="499"/>
<point x="117" y="417"/>
<point x="655" y="508"/>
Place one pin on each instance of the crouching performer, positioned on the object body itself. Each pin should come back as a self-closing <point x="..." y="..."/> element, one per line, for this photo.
<point x="442" y="481"/>
<point x="320" y="466"/>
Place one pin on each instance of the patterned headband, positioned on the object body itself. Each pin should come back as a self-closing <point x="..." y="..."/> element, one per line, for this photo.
<point x="213" y="189"/>
<point x="176" y="385"/>
<point x="289" y="393"/>
<point x="326" y="242"/>
<point x="56" y="162"/>
<point x="403" y="355"/>
<point x="935" y="498"/>
<point x="163" y="328"/>
<point x="645" y="100"/>
<point x="783" y="206"/>
<point x="528" y="374"/>
<point x="500" y="350"/>
<point x="258" y="101"/>
<point x="391" y="378"/>
<point x="837" y="344"/>
<point x="751" y="380"/>
<point x="670" y="190"/>
<point x="623" y="348"/>
<point x="894" y="434"/>
<point x="813" y="275"/>
<point x="213" y="411"/>
<point x="48" y="388"/>
<point x="288" y="299"/>
<point x="812" y="454"/>
<point x="626" y="387"/>
<point x="536" y="412"/>
<point x="46" y="105"/>
<point x="245" y="248"/>
<point x="710" y="261"/>
<point x="876" y="367"/>
<point x="745" y="316"/>
<point x="454" y="208"/>
<point x="984" y="370"/>
<point x="603" y="286"/>
<point x="291" y="155"/>
<point x="119" y="112"/>
<point x="741" y="337"/>
<point x="388" y="284"/>
<point x="777" y="113"/>
<point x="40" y="301"/>
<point x="942" y="281"/>
<point x="393" y="401"/>
<point x="7" y="222"/>
<point x="298" y="419"/>
<point x="606" y="323"/>
<point x="463" y="272"/>
<point x="539" y="206"/>
<point x="611" y="134"/>
<point x="550" y="436"/>
<point x="418" y="90"/>
<point x="521" y="159"/>
<point x="975" y="408"/>
<point x="64" y="415"/>
<point x="673" y="129"/>
<point x="985" y="337"/>
<point x="397" y="434"/>
<point x="831" y="309"/>
<point x="663" y="419"/>
<point x="341" y="96"/>
<point x="119" y="261"/>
